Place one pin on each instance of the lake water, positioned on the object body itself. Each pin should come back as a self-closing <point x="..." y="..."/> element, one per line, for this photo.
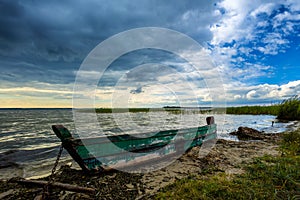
<point x="28" y="146"/>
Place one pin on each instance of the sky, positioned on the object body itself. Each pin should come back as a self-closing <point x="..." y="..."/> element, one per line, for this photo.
<point x="254" y="46"/>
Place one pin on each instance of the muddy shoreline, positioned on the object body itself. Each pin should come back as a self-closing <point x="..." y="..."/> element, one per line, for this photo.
<point x="225" y="156"/>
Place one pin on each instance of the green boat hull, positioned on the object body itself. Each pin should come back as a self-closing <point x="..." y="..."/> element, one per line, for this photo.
<point x="97" y="154"/>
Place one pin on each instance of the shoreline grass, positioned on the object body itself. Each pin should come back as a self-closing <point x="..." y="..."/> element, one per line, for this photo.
<point x="267" y="177"/>
<point x="254" y="110"/>
<point x="288" y="109"/>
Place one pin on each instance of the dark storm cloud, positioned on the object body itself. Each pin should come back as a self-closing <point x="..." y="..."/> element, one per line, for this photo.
<point x="138" y="90"/>
<point x="144" y="65"/>
<point x="53" y="37"/>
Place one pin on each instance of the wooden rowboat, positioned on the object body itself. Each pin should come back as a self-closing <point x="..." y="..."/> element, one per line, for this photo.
<point x="90" y="153"/>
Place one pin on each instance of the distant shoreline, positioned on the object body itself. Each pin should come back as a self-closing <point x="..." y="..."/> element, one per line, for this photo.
<point x="282" y="111"/>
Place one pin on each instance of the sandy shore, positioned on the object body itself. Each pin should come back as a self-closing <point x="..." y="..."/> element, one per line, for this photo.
<point x="225" y="156"/>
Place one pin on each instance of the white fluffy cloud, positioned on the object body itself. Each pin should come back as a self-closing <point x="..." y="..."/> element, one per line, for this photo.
<point x="241" y="20"/>
<point x="262" y="93"/>
<point x="246" y="26"/>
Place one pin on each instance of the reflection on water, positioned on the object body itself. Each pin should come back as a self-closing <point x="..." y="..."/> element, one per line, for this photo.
<point x="28" y="147"/>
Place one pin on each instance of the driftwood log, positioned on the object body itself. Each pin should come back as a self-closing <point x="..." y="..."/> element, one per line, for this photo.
<point x="63" y="186"/>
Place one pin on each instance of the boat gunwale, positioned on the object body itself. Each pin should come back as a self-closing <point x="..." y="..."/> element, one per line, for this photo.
<point x="174" y="132"/>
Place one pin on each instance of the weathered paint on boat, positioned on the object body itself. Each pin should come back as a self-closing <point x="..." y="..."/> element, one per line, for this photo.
<point x="89" y="152"/>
